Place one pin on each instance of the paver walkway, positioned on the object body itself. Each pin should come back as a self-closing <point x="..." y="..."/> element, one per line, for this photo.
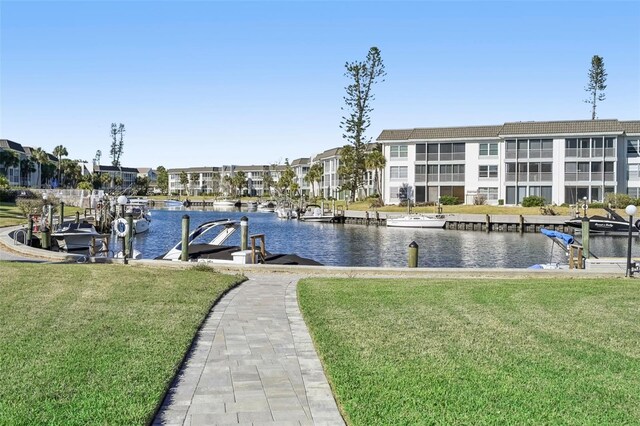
<point x="253" y="363"/>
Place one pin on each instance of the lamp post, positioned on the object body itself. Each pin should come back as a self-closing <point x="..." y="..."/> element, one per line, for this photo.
<point x="584" y="206"/>
<point x="630" y="210"/>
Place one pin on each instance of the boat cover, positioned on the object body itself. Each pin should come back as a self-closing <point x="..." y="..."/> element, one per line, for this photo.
<point x="565" y="238"/>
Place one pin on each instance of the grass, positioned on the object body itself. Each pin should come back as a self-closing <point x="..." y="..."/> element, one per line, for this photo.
<point x="95" y="344"/>
<point x="11" y="215"/>
<point x="405" y="352"/>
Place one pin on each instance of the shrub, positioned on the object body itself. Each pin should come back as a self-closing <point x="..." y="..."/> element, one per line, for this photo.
<point x="479" y="200"/>
<point x="618" y="201"/>
<point x="449" y="200"/>
<point x="376" y="202"/>
<point x="533" y="201"/>
<point x="30" y="205"/>
<point x="8" y="195"/>
<point x="501" y="202"/>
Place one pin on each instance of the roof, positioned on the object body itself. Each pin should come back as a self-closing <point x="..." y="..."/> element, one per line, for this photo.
<point x="14" y="146"/>
<point x="101" y="168"/>
<point x="300" y="161"/>
<point x="514" y="128"/>
<point x="561" y="127"/>
<point x="202" y="169"/>
<point x="631" y="127"/>
<point x="333" y="152"/>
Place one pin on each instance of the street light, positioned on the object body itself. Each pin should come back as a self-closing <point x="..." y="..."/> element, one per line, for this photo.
<point x="122" y="201"/>
<point x="584" y="206"/>
<point x="630" y="210"/>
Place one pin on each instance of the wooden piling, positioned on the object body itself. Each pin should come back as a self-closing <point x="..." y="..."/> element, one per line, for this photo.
<point x="521" y="223"/>
<point x="77" y="217"/>
<point x="585" y="236"/>
<point x="413" y="255"/>
<point x="244" y="233"/>
<point x="61" y="213"/>
<point x="29" y="231"/>
<point x="487" y="221"/>
<point x="184" y="256"/>
<point x="128" y="239"/>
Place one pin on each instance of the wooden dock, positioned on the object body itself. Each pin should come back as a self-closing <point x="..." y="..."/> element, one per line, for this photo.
<point x="471" y="222"/>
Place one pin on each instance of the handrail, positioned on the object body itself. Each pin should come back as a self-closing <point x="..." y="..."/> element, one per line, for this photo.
<point x="261" y="247"/>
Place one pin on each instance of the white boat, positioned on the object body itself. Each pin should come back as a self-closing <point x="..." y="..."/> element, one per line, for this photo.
<point x="75" y="236"/>
<point x="267" y="207"/>
<point x="141" y="219"/>
<point x="417" y="221"/>
<point x="315" y="213"/>
<point x="226" y="203"/>
<point x="173" y="203"/>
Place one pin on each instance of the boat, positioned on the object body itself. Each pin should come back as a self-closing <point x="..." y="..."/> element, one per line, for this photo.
<point x="267" y="207"/>
<point x="558" y="239"/>
<point x="316" y="213"/>
<point x="250" y="205"/>
<point x="226" y="203"/>
<point x="215" y="252"/>
<point x="612" y="224"/>
<point x="285" y="210"/>
<point x="75" y="236"/>
<point x="418" y="221"/>
<point x="173" y="204"/>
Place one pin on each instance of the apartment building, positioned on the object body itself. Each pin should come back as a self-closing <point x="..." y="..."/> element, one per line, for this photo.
<point x="562" y="161"/>
<point x="201" y="180"/>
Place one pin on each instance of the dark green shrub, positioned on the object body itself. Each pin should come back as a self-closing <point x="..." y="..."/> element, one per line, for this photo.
<point x="533" y="201"/>
<point x="618" y="201"/>
<point x="501" y="202"/>
<point x="8" y="195"/>
<point x="449" y="200"/>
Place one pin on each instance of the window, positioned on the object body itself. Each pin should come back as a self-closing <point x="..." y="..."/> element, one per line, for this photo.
<point x="432" y="173"/>
<point x="634" y="171"/>
<point x="399" y="151"/>
<point x="398" y="172"/>
<point x="421" y="150"/>
<point x="488" y="149"/>
<point x="633" y="148"/>
<point x="488" y="193"/>
<point x="393" y="192"/>
<point x="420" y="171"/>
<point x="510" y="148"/>
<point x="488" y="171"/>
<point x="432" y="152"/>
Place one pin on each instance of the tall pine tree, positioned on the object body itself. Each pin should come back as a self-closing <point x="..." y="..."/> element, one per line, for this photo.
<point x="596" y="86"/>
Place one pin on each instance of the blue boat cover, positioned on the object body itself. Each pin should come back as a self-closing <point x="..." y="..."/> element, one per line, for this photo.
<point x="565" y="238"/>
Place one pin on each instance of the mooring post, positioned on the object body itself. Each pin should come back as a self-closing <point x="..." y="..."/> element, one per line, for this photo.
<point x="77" y="217"/>
<point x="244" y="233"/>
<point x="521" y="224"/>
<point x="50" y="219"/>
<point x="61" y="213"/>
<point x="92" y="247"/>
<point x="585" y="236"/>
<point x="45" y="238"/>
<point x="128" y="238"/>
<point x="487" y="225"/>
<point x="29" y="230"/>
<point x="184" y="256"/>
<point x="413" y="255"/>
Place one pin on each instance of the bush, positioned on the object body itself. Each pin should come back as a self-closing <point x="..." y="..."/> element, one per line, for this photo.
<point x="479" y="200"/>
<point x="376" y="202"/>
<point x="533" y="201"/>
<point x="30" y="205"/>
<point x="449" y="200"/>
<point x="8" y="195"/>
<point x="618" y="201"/>
<point x="501" y="202"/>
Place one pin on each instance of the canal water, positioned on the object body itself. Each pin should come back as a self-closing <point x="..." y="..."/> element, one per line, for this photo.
<point x="361" y="245"/>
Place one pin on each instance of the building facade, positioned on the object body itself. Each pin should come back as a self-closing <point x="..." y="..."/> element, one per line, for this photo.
<point x="561" y="161"/>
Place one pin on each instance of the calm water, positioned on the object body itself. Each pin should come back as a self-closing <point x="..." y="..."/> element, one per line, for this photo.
<point x="360" y="245"/>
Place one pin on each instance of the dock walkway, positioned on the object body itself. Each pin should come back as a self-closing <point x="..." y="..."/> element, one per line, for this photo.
<point x="253" y="362"/>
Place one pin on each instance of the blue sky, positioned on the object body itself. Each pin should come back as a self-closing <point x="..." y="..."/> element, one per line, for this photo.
<point x="212" y="82"/>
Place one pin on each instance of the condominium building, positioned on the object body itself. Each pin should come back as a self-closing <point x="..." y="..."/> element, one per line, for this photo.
<point x="561" y="161"/>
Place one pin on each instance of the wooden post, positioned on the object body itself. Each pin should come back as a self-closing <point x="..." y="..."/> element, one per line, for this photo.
<point x="128" y="238"/>
<point x="45" y="238"/>
<point x="585" y="236"/>
<point x="487" y="223"/>
<point x="413" y="255"/>
<point x="61" y="213"/>
<point x="29" y="231"/>
<point x="78" y="217"/>
<point x="92" y="247"/>
<point x="521" y="224"/>
<point x="184" y="256"/>
<point x="244" y="233"/>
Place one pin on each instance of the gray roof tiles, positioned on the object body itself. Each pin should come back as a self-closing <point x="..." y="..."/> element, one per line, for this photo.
<point x="514" y="128"/>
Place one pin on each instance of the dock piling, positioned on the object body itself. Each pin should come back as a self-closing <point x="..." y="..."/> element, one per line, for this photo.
<point x="244" y="233"/>
<point x="29" y="230"/>
<point x="184" y="255"/>
<point x="413" y="255"/>
<point x="585" y="236"/>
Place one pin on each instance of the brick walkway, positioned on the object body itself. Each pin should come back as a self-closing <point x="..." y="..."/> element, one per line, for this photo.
<point x="253" y="363"/>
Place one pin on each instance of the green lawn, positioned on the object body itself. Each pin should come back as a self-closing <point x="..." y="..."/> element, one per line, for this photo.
<point x="11" y="215"/>
<point x="95" y="344"/>
<point x="479" y="352"/>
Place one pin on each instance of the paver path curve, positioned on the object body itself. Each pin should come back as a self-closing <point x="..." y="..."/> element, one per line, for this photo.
<point x="253" y="363"/>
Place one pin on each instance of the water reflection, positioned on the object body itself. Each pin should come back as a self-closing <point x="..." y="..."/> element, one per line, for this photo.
<point x="360" y="245"/>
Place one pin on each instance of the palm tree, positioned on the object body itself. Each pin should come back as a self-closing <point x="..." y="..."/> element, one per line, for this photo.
<point x="27" y="167"/>
<point x="9" y="159"/>
<point x="60" y="151"/>
<point x="314" y="175"/>
<point x="376" y="161"/>
<point x="41" y="158"/>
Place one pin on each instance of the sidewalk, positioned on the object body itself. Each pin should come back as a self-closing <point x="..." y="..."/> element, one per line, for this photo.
<point x="253" y="363"/>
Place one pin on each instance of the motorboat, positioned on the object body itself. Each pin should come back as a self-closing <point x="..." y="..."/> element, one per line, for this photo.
<point x="75" y="236"/>
<point x="286" y="211"/>
<point x="141" y="218"/>
<point x="611" y="224"/>
<point x="215" y="252"/>
<point x="226" y="203"/>
<point x="250" y="205"/>
<point x="560" y="239"/>
<point x="417" y="221"/>
<point x="267" y="207"/>
<point x="316" y="213"/>
<point x="173" y="204"/>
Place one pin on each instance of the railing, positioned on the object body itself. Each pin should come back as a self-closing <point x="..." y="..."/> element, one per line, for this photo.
<point x="258" y="250"/>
